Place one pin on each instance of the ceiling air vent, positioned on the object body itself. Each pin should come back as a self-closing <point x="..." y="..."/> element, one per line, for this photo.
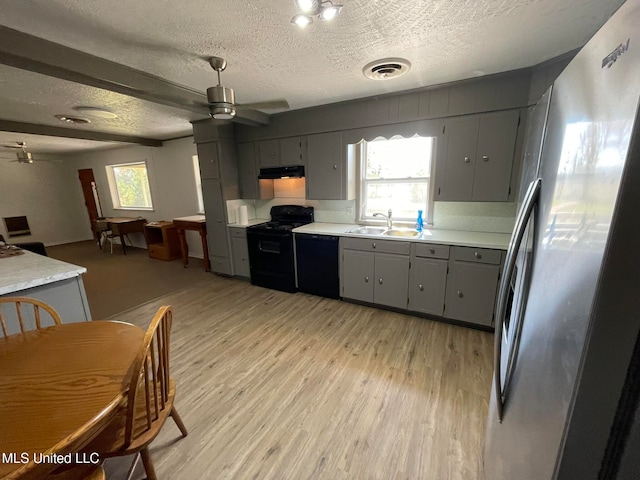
<point x="386" y="69"/>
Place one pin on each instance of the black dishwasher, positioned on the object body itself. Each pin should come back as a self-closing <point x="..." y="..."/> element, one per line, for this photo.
<point x="317" y="264"/>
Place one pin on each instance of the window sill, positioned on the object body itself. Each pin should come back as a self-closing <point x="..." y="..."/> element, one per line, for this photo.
<point x="138" y="209"/>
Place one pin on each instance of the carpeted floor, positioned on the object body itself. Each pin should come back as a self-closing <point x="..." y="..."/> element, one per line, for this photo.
<point x="117" y="282"/>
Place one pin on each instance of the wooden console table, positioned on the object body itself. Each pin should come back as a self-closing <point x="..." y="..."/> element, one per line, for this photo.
<point x="199" y="224"/>
<point x="122" y="226"/>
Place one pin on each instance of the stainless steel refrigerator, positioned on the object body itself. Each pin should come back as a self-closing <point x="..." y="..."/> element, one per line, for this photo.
<point x="567" y="380"/>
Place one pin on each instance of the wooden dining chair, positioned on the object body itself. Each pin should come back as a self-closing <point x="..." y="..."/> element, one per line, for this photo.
<point x="28" y="318"/>
<point x="149" y="401"/>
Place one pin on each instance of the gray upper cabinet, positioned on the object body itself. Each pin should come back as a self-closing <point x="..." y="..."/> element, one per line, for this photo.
<point x="459" y="166"/>
<point x="292" y="150"/>
<point x="281" y="152"/>
<point x="495" y="155"/>
<point x="268" y="155"/>
<point x="326" y="167"/>
<point x="247" y="170"/>
<point x="209" y="160"/>
<point x="478" y="158"/>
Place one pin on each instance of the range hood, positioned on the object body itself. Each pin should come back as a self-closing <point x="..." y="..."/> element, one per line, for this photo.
<point x="282" y="172"/>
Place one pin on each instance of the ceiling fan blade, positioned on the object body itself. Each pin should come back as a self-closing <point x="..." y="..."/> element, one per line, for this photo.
<point x="268" y="105"/>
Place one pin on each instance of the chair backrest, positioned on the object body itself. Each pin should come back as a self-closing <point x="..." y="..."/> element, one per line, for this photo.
<point x="150" y="382"/>
<point x="27" y="318"/>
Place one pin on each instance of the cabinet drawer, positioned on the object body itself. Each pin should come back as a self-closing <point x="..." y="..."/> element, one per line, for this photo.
<point x="375" y="245"/>
<point x="430" y="250"/>
<point x="238" y="232"/>
<point x="478" y="255"/>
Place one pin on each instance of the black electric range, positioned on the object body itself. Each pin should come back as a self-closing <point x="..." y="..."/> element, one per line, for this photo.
<point x="271" y="260"/>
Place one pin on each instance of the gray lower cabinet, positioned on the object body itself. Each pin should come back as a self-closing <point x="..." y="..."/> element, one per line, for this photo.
<point x="375" y="271"/>
<point x="240" y="251"/>
<point x="216" y="226"/>
<point x="390" y="285"/>
<point x="472" y="284"/>
<point x="427" y="282"/>
<point x="358" y="275"/>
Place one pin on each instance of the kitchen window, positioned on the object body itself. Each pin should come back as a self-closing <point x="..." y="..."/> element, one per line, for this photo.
<point x="129" y="186"/>
<point x="396" y="174"/>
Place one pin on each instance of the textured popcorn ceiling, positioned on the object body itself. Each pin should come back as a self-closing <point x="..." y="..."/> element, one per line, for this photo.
<point x="268" y="58"/>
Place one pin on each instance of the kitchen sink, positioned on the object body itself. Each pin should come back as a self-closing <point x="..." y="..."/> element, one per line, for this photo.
<point x="401" y="232"/>
<point x="368" y="230"/>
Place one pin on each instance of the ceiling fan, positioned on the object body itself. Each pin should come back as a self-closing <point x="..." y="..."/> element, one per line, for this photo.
<point x="221" y="100"/>
<point x="22" y="155"/>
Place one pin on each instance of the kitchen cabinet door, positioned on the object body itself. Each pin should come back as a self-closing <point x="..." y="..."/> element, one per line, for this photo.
<point x="357" y="275"/>
<point x="247" y="170"/>
<point x="462" y="139"/>
<point x="325" y="172"/>
<point x="290" y="151"/>
<point x="494" y="156"/>
<point x="240" y="256"/>
<point x="471" y="292"/>
<point x="214" y="208"/>
<point x="209" y="160"/>
<point x="391" y="280"/>
<point x="268" y="153"/>
<point x="427" y="283"/>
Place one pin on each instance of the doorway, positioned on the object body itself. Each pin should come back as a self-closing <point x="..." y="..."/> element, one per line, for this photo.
<point x="91" y="198"/>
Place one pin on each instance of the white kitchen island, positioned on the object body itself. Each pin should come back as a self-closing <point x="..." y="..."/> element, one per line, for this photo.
<point x="52" y="281"/>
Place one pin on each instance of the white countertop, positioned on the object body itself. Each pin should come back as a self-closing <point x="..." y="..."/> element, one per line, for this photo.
<point x="448" y="237"/>
<point x="32" y="270"/>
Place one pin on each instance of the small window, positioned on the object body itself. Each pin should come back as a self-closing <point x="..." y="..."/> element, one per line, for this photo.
<point x="196" y="174"/>
<point x="129" y="185"/>
<point x="396" y="174"/>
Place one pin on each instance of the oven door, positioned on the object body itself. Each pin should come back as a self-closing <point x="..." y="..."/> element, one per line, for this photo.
<point x="271" y="259"/>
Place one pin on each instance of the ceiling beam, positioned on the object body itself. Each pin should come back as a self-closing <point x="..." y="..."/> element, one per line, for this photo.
<point x="24" y="51"/>
<point x="36" y="129"/>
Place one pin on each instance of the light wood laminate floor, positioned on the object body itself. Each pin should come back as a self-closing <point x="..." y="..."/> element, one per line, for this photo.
<point x="273" y="385"/>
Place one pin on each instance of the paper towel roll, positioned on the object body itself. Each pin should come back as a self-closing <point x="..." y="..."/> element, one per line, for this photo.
<point x="242" y="215"/>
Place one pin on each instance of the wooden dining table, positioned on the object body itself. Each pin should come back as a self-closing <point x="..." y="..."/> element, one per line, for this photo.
<point x="59" y="387"/>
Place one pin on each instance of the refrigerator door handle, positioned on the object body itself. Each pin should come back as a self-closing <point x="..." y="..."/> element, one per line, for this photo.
<point x="530" y="200"/>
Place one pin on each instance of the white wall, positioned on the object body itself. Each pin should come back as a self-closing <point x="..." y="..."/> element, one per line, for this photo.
<point x="171" y="179"/>
<point x="48" y="193"/>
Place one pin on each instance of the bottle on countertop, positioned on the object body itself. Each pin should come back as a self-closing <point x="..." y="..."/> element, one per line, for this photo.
<point x="419" y="222"/>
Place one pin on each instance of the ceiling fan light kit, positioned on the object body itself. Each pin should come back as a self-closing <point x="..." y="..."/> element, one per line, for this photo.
<point x="325" y="10"/>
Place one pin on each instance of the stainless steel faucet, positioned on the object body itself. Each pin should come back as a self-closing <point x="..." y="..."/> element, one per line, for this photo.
<point x="388" y="217"/>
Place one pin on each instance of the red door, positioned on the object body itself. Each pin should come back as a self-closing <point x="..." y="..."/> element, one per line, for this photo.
<point x="91" y="199"/>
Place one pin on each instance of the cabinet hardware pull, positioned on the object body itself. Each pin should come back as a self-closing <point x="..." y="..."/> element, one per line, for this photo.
<point x="366" y="279"/>
<point x="432" y="251"/>
<point x="460" y="293"/>
<point x="373" y="244"/>
<point x="380" y="281"/>
<point x="467" y="159"/>
<point x="421" y="287"/>
<point x="477" y="255"/>
<point x="485" y="158"/>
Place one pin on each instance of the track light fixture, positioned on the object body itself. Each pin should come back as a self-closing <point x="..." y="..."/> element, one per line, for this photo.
<point x="323" y="10"/>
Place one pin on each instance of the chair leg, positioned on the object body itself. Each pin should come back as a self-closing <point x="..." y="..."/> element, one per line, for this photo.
<point x="148" y="464"/>
<point x="178" y="420"/>
<point x="133" y="466"/>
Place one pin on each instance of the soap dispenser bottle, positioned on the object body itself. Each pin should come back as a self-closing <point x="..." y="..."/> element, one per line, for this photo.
<point x="419" y="222"/>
